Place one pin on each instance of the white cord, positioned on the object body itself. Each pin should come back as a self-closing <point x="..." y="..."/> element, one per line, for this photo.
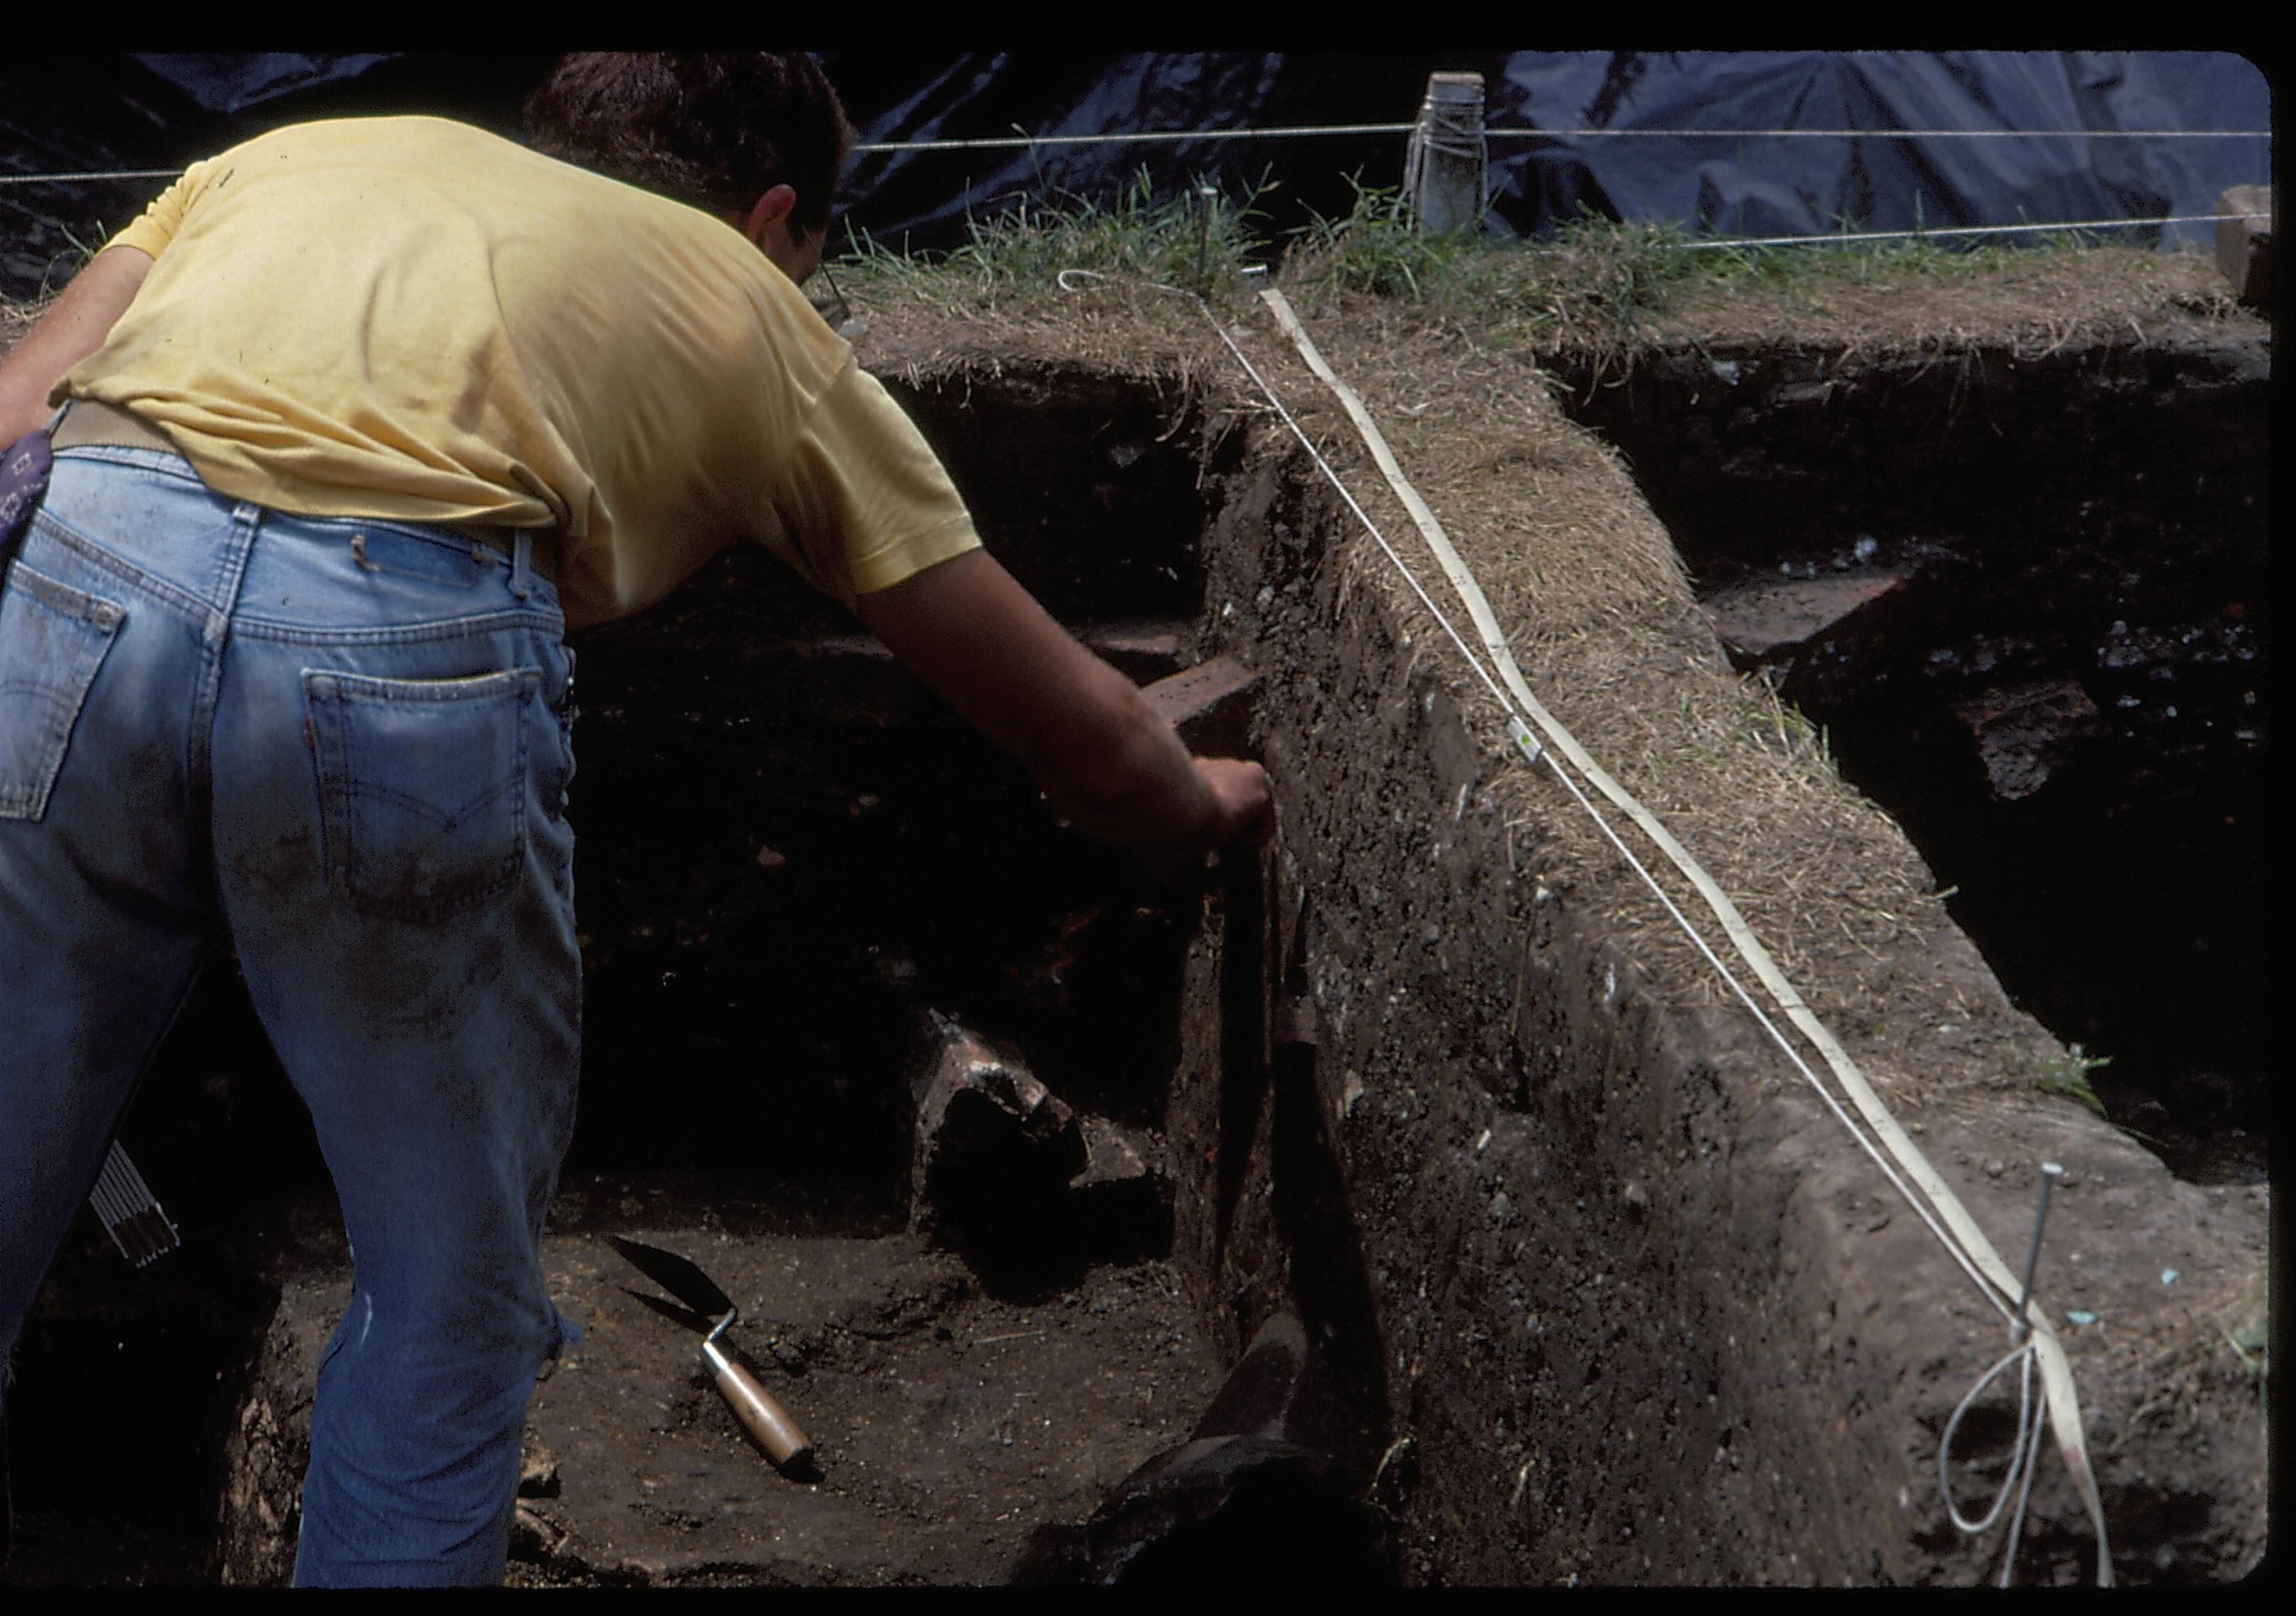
<point x="89" y="176"/>
<point x="1958" y="230"/>
<point x="1013" y="142"/>
<point x="2024" y="1454"/>
<point x="2022" y="1355"/>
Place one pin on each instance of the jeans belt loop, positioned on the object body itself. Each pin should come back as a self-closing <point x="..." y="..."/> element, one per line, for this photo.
<point x="531" y="551"/>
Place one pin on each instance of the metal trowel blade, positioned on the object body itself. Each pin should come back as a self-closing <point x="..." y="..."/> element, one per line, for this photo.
<point x="671" y="1310"/>
<point x="676" y="1275"/>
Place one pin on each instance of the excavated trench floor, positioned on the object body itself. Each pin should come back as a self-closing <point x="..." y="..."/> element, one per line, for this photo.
<point x="1558" y="1275"/>
<point x="950" y="1422"/>
<point x="2028" y="598"/>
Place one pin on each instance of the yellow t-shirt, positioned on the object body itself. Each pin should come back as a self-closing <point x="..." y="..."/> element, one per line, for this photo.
<point x="411" y="318"/>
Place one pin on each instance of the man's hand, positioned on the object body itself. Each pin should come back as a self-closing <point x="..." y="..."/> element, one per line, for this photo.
<point x="70" y="330"/>
<point x="1107" y="763"/>
<point x="1247" y="805"/>
<point x="1245" y="817"/>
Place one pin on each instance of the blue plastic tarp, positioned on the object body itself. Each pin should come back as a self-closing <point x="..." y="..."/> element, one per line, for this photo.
<point x="221" y="83"/>
<point x="1687" y="138"/>
<point x="1770" y="184"/>
<point x="2032" y="136"/>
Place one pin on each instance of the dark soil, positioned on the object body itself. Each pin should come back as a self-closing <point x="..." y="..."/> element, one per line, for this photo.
<point x="2062" y="692"/>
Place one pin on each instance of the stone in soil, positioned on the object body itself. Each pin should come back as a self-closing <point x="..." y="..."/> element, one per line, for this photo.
<point x="989" y="1136"/>
<point x="1008" y="1172"/>
<point x="1257" y="1495"/>
<point x="1816" y="638"/>
<point x="2024" y="732"/>
<point x="1763" y="620"/>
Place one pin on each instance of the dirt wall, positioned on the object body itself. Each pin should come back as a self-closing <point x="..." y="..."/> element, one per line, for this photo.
<point x="1623" y="1303"/>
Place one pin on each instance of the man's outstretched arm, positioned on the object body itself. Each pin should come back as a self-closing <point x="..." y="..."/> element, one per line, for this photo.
<point x="73" y="328"/>
<point x="1106" y="762"/>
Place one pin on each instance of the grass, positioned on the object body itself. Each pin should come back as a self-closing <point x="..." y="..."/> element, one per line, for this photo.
<point x="1600" y="287"/>
<point x="17" y="319"/>
<point x="2068" y="1075"/>
<point x="1796" y="736"/>
<point x="1597" y="288"/>
<point x="1201" y="244"/>
<point x="1594" y="279"/>
<point x="1591" y="283"/>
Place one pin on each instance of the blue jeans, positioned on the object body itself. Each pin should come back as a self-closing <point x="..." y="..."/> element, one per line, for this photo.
<point x="343" y="744"/>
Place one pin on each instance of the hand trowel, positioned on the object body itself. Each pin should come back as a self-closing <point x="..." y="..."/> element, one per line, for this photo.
<point x="710" y="1311"/>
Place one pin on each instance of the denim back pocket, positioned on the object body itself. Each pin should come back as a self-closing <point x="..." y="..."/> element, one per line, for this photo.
<point x="422" y="787"/>
<point x="52" y="640"/>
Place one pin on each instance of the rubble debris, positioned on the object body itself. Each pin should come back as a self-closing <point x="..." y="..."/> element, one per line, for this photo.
<point x="259" y="1513"/>
<point x="1142" y="650"/>
<point x="1211" y="705"/>
<point x="1812" y="634"/>
<point x="538" y="1469"/>
<point x="533" y="1537"/>
<point x="1110" y="1156"/>
<point x="1022" y="1181"/>
<point x="2024" y="732"/>
<point x="991" y="1138"/>
<point x="1121" y="1202"/>
<point x="856" y="678"/>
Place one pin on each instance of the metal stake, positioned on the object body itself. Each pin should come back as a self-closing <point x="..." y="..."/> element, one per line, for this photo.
<point x="2050" y="1173"/>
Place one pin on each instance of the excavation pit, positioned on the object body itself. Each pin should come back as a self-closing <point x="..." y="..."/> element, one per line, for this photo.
<point x="2027" y="595"/>
<point x="1601" y="1293"/>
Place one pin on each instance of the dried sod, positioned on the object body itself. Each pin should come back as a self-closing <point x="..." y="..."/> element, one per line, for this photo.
<point x="15" y="320"/>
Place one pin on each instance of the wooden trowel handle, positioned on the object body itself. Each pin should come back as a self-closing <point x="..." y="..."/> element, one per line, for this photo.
<point x="776" y="1431"/>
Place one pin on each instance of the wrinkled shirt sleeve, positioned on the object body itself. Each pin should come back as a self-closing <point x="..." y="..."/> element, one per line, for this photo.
<point x="156" y="226"/>
<point x="862" y="502"/>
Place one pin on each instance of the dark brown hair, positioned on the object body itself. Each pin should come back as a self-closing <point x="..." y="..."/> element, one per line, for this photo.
<point x="716" y="130"/>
